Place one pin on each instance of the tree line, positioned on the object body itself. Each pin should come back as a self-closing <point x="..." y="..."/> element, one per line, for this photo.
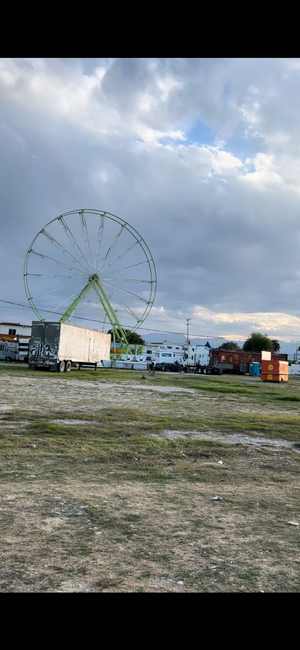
<point x="256" y="342"/>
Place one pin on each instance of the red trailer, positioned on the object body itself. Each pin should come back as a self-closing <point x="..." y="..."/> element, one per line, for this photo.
<point x="237" y="361"/>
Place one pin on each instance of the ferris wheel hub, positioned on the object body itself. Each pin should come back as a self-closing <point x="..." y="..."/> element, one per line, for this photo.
<point x="94" y="278"/>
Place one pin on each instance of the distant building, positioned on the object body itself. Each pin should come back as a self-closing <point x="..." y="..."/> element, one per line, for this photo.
<point x="11" y="331"/>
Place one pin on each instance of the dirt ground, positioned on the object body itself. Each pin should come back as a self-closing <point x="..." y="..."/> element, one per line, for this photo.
<point x="121" y="483"/>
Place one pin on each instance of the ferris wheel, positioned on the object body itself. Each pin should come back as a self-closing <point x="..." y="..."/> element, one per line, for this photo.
<point x="90" y="268"/>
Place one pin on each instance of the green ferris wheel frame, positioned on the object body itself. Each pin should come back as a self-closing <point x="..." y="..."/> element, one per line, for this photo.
<point x="93" y="279"/>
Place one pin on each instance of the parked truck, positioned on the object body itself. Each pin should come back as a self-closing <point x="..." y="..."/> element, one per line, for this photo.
<point x="59" y="346"/>
<point x="198" y="359"/>
<point x="15" y="344"/>
<point x="8" y="351"/>
<point x="167" y="360"/>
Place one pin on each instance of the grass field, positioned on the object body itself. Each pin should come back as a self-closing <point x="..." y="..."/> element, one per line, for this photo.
<point x="108" y="481"/>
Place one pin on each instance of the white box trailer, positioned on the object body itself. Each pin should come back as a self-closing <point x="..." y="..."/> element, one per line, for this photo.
<point x="58" y="346"/>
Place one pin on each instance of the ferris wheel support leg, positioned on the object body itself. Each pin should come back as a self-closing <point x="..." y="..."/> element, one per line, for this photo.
<point x="78" y="300"/>
<point x="110" y="312"/>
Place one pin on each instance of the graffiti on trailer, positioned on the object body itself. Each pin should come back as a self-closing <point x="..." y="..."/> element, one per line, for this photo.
<point x="47" y="349"/>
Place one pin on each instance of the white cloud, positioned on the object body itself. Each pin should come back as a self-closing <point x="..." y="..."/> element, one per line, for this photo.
<point x="265" y="172"/>
<point x="166" y="85"/>
<point x="222" y="220"/>
<point x="243" y="323"/>
<point x="225" y="162"/>
<point x="79" y="99"/>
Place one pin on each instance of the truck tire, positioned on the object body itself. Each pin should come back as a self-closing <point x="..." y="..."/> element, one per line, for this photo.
<point x="68" y="366"/>
<point x="31" y="366"/>
<point x="7" y="359"/>
<point x="61" y="366"/>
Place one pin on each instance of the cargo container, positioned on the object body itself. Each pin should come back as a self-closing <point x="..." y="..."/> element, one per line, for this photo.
<point x="267" y="376"/>
<point x="274" y="370"/>
<point x="59" y="346"/>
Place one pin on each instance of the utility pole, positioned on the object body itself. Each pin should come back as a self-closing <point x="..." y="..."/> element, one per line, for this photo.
<point x="188" y="322"/>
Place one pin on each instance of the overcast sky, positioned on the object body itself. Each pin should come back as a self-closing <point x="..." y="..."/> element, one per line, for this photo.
<point x="200" y="156"/>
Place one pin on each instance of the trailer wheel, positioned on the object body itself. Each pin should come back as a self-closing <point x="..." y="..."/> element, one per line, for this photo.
<point x="7" y="359"/>
<point x="61" y="366"/>
<point x="68" y="366"/>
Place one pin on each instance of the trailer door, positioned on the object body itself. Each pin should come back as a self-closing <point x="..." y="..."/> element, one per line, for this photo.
<point x="91" y="354"/>
<point x="52" y="332"/>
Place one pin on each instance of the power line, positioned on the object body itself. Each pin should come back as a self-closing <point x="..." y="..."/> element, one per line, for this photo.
<point x="93" y="320"/>
<point x="146" y="329"/>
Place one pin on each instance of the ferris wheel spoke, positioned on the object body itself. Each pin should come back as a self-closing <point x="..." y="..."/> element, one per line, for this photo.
<point x="73" y="241"/>
<point x="45" y="293"/>
<point x="129" y="267"/>
<point x="99" y="238"/>
<point x="60" y="305"/>
<point x="87" y="309"/>
<point x="52" y="259"/>
<point x="125" y="291"/>
<point x="85" y="234"/>
<point x="122" y="255"/>
<point x="60" y="248"/>
<point x="126" y="280"/>
<point x="129" y="310"/>
<point x="100" y="310"/>
<point x="44" y="275"/>
<point x="113" y="244"/>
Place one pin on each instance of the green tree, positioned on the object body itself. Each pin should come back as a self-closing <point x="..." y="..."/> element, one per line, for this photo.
<point x="229" y="345"/>
<point x="132" y="337"/>
<point x="276" y="345"/>
<point x="257" y="342"/>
